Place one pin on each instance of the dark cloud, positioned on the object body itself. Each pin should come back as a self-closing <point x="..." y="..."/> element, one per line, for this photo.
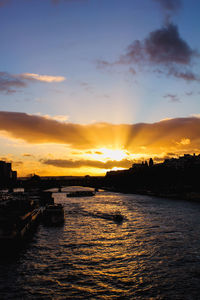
<point x="9" y="82"/>
<point x="103" y="64"/>
<point x="164" y="50"/>
<point x="170" y="5"/>
<point x="132" y="71"/>
<point x="166" y="46"/>
<point x="163" y="46"/>
<point x="98" y="152"/>
<point x="62" y="163"/>
<point x="159" y="159"/>
<point x="169" y="8"/>
<point x="174" y="71"/>
<point x="185" y="75"/>
<point x="163" y="136"/>
<point x="171" y="154"/>
<point x="172" y="97"/>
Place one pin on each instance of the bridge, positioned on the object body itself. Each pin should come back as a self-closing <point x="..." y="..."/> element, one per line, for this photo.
<point x="43" y="183"/>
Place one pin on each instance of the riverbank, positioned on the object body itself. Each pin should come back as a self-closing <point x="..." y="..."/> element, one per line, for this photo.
<point x="189" y="196"/>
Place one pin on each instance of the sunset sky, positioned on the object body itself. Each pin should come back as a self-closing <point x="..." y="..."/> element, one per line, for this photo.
<point x="92" y="85"/>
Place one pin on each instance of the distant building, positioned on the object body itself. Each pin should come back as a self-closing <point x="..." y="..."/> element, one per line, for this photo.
<point x="7" y="175"/>
<point x="14" y="175"/>
<point x="137" y="166"/>
<point x="183" y="161"/>
<point x="151" y="162"/>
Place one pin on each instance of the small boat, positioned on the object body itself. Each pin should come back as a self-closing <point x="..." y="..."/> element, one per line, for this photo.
<point x="81" y="194"/>
<point x="54" y="215"/>
<point x="118" y="218"/>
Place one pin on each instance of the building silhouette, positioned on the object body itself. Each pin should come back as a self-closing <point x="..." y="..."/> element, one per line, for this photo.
<point x="7" y="175"/>
<point x="175" y="176"/>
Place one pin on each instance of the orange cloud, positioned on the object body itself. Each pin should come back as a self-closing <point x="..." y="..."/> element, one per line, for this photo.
<point x="44" y="78"/>
<point x="155" y="138"/>
<point x="184" y="141"/>
<point x="60" y="118"/>
<point x="62" y="163"/>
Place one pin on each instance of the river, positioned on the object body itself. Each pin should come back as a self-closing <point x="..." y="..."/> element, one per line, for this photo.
<point x="153" y="254"/>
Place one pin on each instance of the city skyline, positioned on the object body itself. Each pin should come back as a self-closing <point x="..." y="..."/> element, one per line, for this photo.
<point x="92" y="85"/>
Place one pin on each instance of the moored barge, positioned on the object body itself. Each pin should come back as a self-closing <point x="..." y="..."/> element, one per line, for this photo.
<point x="54" y="215"/>
<point x="18" y="216"/>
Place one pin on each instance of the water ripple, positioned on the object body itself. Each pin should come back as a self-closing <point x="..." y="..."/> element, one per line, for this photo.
<point x="153" y="254"/>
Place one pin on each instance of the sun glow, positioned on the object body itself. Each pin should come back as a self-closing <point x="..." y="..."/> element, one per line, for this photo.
<point x="112" y="154"/>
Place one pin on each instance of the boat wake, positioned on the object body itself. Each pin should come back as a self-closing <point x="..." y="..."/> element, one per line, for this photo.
<point x="116" y="217"/>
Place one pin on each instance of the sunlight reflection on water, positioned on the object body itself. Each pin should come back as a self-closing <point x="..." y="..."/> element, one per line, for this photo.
<point x="154" y="253"/>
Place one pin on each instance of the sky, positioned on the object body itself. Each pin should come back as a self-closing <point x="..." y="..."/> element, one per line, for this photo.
<point x="87" y="86"/>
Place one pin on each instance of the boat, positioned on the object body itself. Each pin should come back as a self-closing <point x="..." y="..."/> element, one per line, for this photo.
<point x="81" y="194"/>
<point x="54" y="215"/>
<point x="18" y="216"/>
<point x="118" y="217"/>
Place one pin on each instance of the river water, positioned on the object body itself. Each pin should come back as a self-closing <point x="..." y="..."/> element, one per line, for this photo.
<point x="153" y="254"/>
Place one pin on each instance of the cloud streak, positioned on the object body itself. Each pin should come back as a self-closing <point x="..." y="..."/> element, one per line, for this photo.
<point x="44" y="78"/>
<point x="10" y="83"/>
<point x="60" y="118"/>
<point x="62" y="163"/>
<point x="185" y="75"/>
<point x="172" y="97"/>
